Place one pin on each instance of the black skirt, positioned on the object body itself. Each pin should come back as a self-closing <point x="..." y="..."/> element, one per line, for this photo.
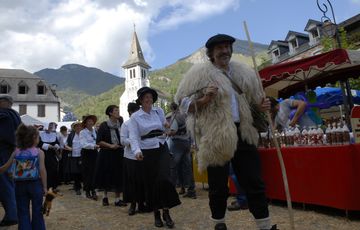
<point x="134" y="190"/>
<point x="74" y="165"/>
<point x="109" y="170"/>
<point x="160" y="192"/>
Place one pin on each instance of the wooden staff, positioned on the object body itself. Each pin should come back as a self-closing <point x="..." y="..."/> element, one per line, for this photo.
<point x="278" y="151"/>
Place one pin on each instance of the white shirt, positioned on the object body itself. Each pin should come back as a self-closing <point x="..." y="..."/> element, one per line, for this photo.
<point x="76" y="146"/>
<point x="62" y="140"/>
<point x="141" y="124"/>
<point x="48" y="138"/>
<point x="88" y="139"/>
<point x="125" y="140"/>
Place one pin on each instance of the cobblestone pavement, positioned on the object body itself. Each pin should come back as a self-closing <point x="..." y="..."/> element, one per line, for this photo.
<point x="76" y="212"/>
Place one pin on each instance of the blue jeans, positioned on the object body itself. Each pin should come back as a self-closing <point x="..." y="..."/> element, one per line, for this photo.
<point x="7" y="190"/>
<point x="181" y="159"/>
<point x="27" y="191"/>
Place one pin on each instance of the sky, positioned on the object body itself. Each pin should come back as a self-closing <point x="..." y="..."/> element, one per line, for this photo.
<point x="97" y="33"/>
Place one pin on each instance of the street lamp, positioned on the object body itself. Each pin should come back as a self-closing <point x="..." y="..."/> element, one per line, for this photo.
<point x="330" y="29"/>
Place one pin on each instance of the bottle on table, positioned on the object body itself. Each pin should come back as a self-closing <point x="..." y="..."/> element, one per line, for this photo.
<point x="328" y="135"/>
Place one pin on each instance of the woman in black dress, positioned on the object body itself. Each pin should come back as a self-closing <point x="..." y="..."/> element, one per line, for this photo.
<point x="89" y="152"/>
<point x="147" y="142"/>
<point x="109" y="166"/>
<point x="50" y="144"/>
<point x="74" y="147"/>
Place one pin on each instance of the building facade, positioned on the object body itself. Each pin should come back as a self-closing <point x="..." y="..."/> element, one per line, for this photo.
<point x="31" y="95"/>
<point x="136" y="76"/>
<point x="301" y="45"/>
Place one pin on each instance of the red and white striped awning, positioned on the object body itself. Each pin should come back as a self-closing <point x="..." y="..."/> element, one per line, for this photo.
<point x="285" y="79"/>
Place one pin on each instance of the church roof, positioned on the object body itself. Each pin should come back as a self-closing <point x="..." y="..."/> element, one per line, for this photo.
<point x="136" y="56"/>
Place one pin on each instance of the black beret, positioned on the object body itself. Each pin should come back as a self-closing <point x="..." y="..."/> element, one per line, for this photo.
<point x="142" y="91"/>
<point x="217" y="39"/>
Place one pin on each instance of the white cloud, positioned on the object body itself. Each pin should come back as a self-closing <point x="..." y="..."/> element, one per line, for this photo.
<point x="95" y="33"/>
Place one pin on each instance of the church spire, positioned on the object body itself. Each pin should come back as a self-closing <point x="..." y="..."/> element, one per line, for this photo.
<point x="136" y="56"/>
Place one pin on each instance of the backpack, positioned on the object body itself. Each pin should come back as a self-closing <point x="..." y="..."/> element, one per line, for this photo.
<point x="26" y="166"/>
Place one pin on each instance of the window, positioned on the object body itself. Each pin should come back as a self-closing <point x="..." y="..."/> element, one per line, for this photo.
<point x="41" y="89"/>
<point x="41" y="110"/>
<point x="4" y="88"/>
<point x="294" y="43"/>
<point x="276" y="53"/>
<point x="23" y="88"/>
<point x="315" y="33"/>
<point x="143" y="73"/>
<point x="22" y="109"/>
<point x="134" y="76"/>
<point x="131" y="74"/>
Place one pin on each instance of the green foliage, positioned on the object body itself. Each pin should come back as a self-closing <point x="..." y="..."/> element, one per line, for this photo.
<point x="71" y="98"/>
<point x="354" y="40"/>
<point x="167" y="79"/>
<point x="97" y="104"/>
<point x="343" y="38"/>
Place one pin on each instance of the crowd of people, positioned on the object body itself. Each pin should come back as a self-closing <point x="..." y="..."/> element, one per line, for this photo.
<point x="148" y="156"/>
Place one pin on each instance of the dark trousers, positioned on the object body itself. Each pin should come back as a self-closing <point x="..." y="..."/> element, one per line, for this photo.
<point x="246" y="165"/>
<point x="77" y="181"/>
<point x="27" y="191"/>
<point x="88" y="159"/>
<point x="7" y="188"/>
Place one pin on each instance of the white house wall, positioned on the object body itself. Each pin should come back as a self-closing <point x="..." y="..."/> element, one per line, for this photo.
<point x="51" y="111"/>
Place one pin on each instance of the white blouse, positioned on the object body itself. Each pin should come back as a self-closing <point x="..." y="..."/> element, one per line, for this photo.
<point x="76" y="146"/>
<point x="141" y="124"/>
<point x="125" y="140"/>
<point x="88" y="139"/>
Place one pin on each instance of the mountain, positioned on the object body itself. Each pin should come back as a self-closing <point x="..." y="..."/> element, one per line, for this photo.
<point x="167" y="79"/>
<point x="78" y="78"/>
<point x="240" y="48"/>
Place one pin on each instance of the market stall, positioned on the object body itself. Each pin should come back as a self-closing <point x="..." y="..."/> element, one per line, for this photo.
<point x="318" y="172"/>
<point x="326" y="175"/>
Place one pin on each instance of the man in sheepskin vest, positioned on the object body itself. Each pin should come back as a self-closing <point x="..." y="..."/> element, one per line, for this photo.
<point x="217" y="96"/>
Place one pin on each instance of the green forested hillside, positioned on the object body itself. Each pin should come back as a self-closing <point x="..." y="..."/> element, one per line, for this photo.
<point x="71" y="98"/>
<point x="97" y="104"/>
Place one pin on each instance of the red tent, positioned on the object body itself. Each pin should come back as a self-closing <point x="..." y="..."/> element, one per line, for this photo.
<point x="285" y="79"/>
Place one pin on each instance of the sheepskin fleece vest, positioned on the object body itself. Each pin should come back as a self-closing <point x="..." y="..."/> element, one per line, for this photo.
<point x="213" y="125"/>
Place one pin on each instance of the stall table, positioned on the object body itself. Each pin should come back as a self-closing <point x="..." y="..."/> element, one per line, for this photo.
<point x="322" y="175"/>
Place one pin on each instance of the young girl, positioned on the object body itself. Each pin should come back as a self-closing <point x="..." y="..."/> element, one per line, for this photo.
<point x="29" y="176"/>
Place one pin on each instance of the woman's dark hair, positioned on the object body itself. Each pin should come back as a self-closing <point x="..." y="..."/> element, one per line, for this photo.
<point x="63" y="128"/>
<point x="110" y="109"/>
<point x="132" y="107"/>
<point x="25" y="136"/>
